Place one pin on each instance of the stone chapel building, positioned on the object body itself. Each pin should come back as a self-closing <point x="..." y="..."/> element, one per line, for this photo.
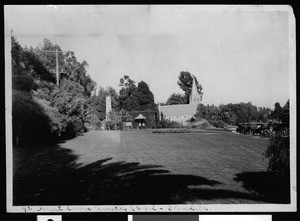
<point x="181" y="113"/>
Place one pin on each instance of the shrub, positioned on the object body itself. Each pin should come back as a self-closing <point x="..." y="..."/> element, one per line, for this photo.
<point x="158" y="125"/>
<point x="278" y="153"/>
<point x="74" y="127"/>
<point x="266" y="133"/>
<point x="23" y="83"/>
<point x="173" y="130"/>
<point x="169" y="124"/>
<point x="217" y="123"/>
<point x="93" y="122"/>
<point x="205" y="125"/>
<point x="30" y="122"/>
<point x="57" y="121"/>
<point x="97" y="125"/>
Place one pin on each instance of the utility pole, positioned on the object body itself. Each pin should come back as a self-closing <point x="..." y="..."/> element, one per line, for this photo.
<point x="56" y="63"/>
<point x="56" y="60"/>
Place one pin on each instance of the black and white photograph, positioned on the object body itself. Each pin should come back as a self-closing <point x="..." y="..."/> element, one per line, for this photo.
<point x="150" y="108"/>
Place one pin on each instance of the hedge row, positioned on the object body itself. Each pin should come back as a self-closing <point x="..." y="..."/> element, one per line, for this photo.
<point x="173" y="130"/>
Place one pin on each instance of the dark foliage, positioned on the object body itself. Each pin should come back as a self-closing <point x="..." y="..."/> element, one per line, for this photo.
<point x="23" y="83"/>
<point x="125" y="97"/>
<point x="143" y="98"/>
<point x="30" y="122"/>
<point x="165" y="123"/>
<point x="238" y="113"/>
<point x="185" y="82"/>
<point x="177" y="99"/>
<point x="278" y="153"/>
<point x="135" y="98"/>
<point x="266" y="186"/>
<point x="151" y="117"/>
<point x="41" y="110"/>
<point x="172" y="131"/>
<point x="217" y="123"/>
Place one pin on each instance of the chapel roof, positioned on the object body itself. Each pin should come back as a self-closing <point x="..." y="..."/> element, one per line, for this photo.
<point x="179" y="109"/>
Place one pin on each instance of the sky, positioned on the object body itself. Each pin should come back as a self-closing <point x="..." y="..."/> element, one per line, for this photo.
<point x="237" y="54"/>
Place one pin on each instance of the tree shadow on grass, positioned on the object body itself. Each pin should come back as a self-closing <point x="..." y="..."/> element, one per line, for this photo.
<point x="216" y="194"/>
<point x="266" y="186"/>
<point x="51" y="176"/>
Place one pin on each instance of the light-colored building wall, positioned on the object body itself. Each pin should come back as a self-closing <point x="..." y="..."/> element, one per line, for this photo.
<point x="180" y="119"/>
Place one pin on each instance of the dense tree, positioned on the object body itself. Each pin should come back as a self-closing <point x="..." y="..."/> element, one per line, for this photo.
<point x="278" y="154"/>
<point x="30" y="123"/>
<point x="277" y="111"/>
<point x="27" y="69"/>
<point x="278" y="150"/>
<point x="143" y="98"/>
<point x="264" y="114"/>
<point x="225" y="114"/>
<point x="76" y="71"/>
<point x="69" y="67"/>
<point x="177" y="99"/>
<point x="232" y="113"/>
<point x="128" y="87"/>
<point x="46" y="53"/>
<point x="29" y="118"/>
<point x="207" y="112"/>
<point x="285" y="113"/>
<point x="185" y="82"/>
<point x="41" y="109"/>
<point x="243" y="112"/>
<point x="117" y="119"/>
<point x="134" y="97"/>
<point x="70" y="101"/>
<point x="94" y="103"/>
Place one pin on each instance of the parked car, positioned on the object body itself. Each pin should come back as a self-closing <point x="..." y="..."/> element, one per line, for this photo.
<point x="255" y="128"/>
<point x="243" y="128"/>
<point x="260" y="127"/>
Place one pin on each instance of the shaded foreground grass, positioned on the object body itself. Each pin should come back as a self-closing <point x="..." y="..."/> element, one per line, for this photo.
<point x="266" y="185"/>
<point x="53" y="175"/>
<point x="50" y="176"/>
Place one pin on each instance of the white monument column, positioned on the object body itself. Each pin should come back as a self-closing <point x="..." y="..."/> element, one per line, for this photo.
<point x="108" y="106"/>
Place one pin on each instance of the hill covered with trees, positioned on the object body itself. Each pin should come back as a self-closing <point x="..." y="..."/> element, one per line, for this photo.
<point x="43" y="111"/>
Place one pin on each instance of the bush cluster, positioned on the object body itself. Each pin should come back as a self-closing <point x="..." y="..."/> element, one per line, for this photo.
<point x="217" y="123"/>
<point x="41" y="110"/>
<point x="173" y="130"/>
<point x="205" y="125"/>
<point x="267" y="133"/>
<point x="168" y="124"/>
<point x="278" y="153"/>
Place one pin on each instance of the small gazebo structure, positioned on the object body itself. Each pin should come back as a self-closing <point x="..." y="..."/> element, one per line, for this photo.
<point x="140" y="120"/>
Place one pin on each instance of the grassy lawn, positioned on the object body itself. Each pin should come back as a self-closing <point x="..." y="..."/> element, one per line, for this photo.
<point x="141" y="167"/>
